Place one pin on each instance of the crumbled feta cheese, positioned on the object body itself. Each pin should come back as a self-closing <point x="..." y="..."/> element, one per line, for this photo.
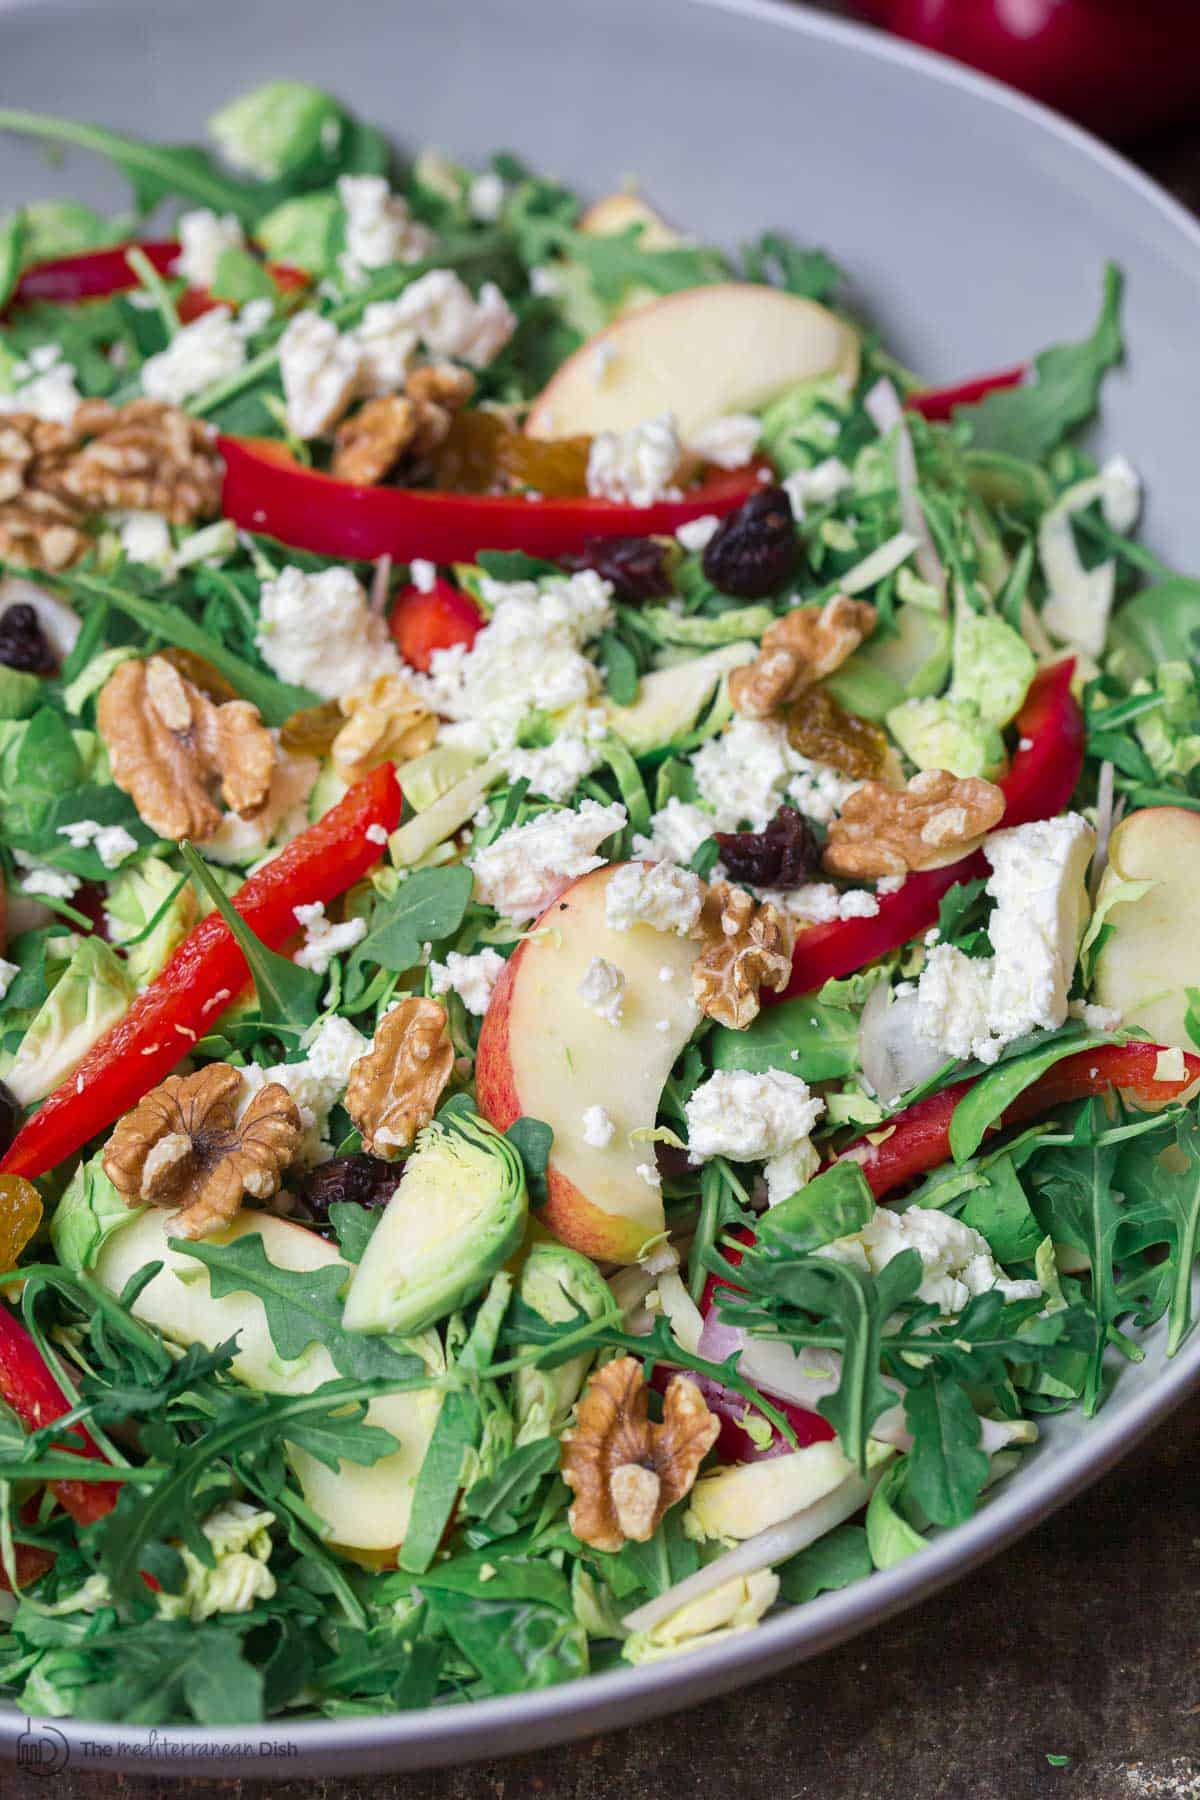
<point x="146" y="538"/>
<point x="207" y="350"/>
<point x="969" y="1006"/>
<point x="639" y="465"/>
<point x="423" y="575"/>
<point x="677" y="831"/>
<point x="316" y="1083"/>
<point x="376" y="834"/>
<point x="728" y="442"/>
<point x="386" y="345"/>
<point x="253" y="316"/>
<point x="472" y="978"/>
<point x="598" y="1128"/>
<point x="9" y="972"/>
<point x="757" y="1118"/>
<point x="379" y="227"/>
<point x="890" y="884"/>
<point x="817" y="486"/>
<point x="485" y="197"/>
<point x="41" y="878"/>
<point x="556" y="770"/>
<point x="660" y="895"/>
<point x="694" y="534"/>
<point x="544" y="281"/>
<point x="819" y="902"/>
<point x="748" y="772"/>
<point x="528" y="657"/>
<point x="602" y="989"/>
<point x="113" y="843"/>
<point x="1169" y="1065"/>
<point x="1121" y="499"/>
<point x="1096" y="1018"/>
<point x="318" y="631"/>
<point x="320" y="370"/>
<point x="526" y="867"/>
<point x="450" y="322"/>
<point x="956" y="1259"/>
<point x="204" y="237"/>
<point x="44" y="384"/>
<point x="323" y="940"/>
<point x="649" y="1174"/>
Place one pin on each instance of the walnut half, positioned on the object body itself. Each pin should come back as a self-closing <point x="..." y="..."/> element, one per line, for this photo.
<point x="626" y="1472"/>
<point x="385" y="722"/>
<point x="747" y="945"/>
<point x="934" y="820"/>
<point x="394" y="1089"/>
<point x="184" y="1146"/>
<point x="370" y="444"/>
<point x="799" y="649"/>
<point x="169" y="746"/>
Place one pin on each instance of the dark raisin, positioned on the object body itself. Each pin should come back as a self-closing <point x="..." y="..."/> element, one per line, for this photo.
<point x="365" y="1180"/>
<point x="636" y="566"/>
<point x="784" y="855"/>
<point x="10" y="1118"/>
<point x="753" y="551"/>
<point x="23" y="642"/>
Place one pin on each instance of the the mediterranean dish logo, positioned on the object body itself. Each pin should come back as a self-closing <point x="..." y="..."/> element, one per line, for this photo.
<point x="42" y="1750"/>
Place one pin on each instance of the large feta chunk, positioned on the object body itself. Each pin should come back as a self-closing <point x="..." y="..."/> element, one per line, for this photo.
<point x="44" y="384"/>
<point x="638" y="465"/>
<point x="747" y="773"/>
<point x="449" y="321"/>
<point x="207" y="350"/>
<point x="660" y="895"/>
<point x="757" y="1118"/>
<point x="319" y="632"/>
<point x="379" y="227"/>
<point x="204" y="236"/>
<point x="386" y="346"/>
<point x="320" y="369"/>
<point x="729" y="442"/>
<point x="472" y="978"/>
<point x="677" y="831"/>
<point x="956" y="1260"/>
<point x="323" y="939"/>
<point x="527" y="866"/>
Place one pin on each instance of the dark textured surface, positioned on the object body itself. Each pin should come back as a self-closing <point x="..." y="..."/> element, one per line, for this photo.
<point x="1084" y="1642"/>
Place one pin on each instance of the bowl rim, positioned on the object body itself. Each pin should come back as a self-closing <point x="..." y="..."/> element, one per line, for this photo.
<point x="434" y="1737"/>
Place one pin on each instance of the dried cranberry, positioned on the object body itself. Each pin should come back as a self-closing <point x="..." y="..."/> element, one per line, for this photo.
<point x="10" y="1118"/>
<point x="23" y="643"/>
<point x="366" y="1180"/>
<point x="753" y="551"/>
<point x="636" y="566"/>
<point x="784" y="855"/>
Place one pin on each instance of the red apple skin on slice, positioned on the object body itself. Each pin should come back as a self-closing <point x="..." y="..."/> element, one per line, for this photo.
<point x="543" y="1053"/>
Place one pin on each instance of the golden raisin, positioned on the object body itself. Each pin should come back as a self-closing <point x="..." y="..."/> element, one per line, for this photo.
<point x="467" y="461"/>
<point x="312" y="731"/>
<point x="555" y="468"/>
<point x="201" y="673"/>
<point x="20" y="1216"/>
<point x="818" y="726"/>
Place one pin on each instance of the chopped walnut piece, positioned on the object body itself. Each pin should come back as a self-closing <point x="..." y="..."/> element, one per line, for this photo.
<point x="39" y="527"/>
<point x="368" y="446"/>
<point x="394" y="1089"/>
<point x="934" y="820"/>
<point x="184" y="1146"/>
<point x="747" y="946"/>
<point x="385" y="722"/>
<point x="145" y="456"/>
<point x="802" y="647"/>
<point x="170" y="747"/>
<point x="625" y="1471"/>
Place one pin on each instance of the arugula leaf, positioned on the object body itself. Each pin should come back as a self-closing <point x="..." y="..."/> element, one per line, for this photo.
<point x="999" y="1211"/>
<point x="620" y="665"/>
<point x="499" y="1500"/>
<point x="426" y="907"/>
<point x="617" y="261"/>
<point x="946" y="1467"/>
<point x="152" y="1672"/>
<point x="958" y="907"/>
<point x="103" y="805"/>
<point x="809" y="273"/>
<point x="1030" y="421"/>
<point x="834" y="1204"/>
<point x="289" y="997"/>
<point x="531" y="1139"/>
<point x="516" y="1627"/>
<point x="515" y="565"/>
<point x="12" y="245"/>
<point x="993" y="1093"/>
<point x="302" y="1307"/>
<point x="355" y="1225"/>
<point x="834" y="1561"/>
<point x="803" y="1037"/>
<point x="1168" y="1183"/>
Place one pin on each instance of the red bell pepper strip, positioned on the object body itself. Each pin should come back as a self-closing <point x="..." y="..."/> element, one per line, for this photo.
<point x="92" y="274"/>
<point x="28" y="1387"/>
<point x="266" y="490"/>
<point x="1041" y="779"/>
<point x="919" y="1138"/>
<point x="938" y="403"/>
<point x="204" y="974"/>
<point x="422" y="622"/>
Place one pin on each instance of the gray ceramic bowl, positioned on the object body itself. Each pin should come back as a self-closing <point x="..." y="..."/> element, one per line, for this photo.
<point x="975" y="226"/>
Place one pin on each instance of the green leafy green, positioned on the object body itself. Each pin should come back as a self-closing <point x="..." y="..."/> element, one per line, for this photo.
<point x="994" y="1093"/>
<point x="426" y="907"/>
<point x="289" y="997"/>
<point x="834" y="1561"/>
<point x="805" y="1037"/>
<point x="946" y="1467"/>
<point x="531" y="1139"/>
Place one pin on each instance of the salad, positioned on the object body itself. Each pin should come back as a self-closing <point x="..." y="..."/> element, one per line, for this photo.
<point x="600" y="1008"/>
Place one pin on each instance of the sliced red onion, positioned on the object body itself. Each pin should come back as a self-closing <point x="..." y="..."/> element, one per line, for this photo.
<point x="893" y="1054"/>
<point x="883" y="404"/>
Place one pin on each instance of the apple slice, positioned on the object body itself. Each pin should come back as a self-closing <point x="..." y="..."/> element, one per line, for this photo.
<point x="1152" y="954"/>
<point x="617" y="212"/>
<point x="544" y="1053"/>
<point x="365" y="1508"/>
<point x="700" y="354"/>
